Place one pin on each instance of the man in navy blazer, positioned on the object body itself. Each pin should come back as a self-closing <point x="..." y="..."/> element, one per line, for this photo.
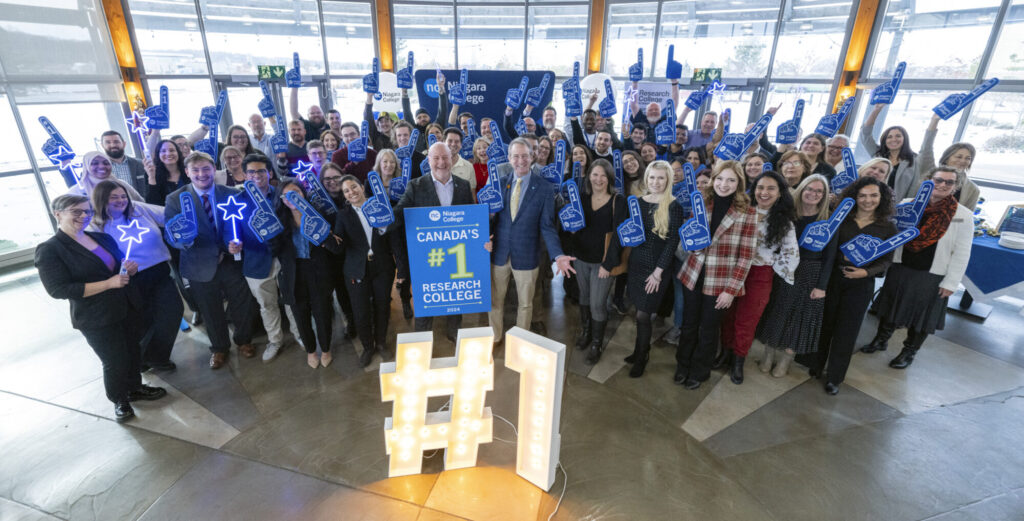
<point x="211" y="270"/>
<point x="260" y="263"/>
<point x="527" y="218"/>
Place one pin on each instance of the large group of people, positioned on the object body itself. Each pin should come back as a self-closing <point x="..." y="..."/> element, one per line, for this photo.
<point x="754" y="280"/>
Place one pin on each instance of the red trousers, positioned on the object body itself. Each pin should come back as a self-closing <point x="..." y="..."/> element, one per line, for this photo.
<point x="741" y="318"/>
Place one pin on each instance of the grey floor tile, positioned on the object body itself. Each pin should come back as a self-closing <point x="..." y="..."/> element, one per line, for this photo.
<point x="803" y="412"/>
<point x="11" y="511"/>
<point x="902" y="469"/>
<point x="81" y="467"/>
<point x="225" y="487"/>
<point x="1004" y="507"/>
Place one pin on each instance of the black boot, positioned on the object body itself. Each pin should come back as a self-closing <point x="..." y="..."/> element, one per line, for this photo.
<point x="910" y="347"/>
<point x="641" y="354"/>
<point x="724" y="358"/>
<point x="881" y="340"/>
<point x="737" y="369"/>
<point x="597" y="346"/>
<point x="584" y="337"/>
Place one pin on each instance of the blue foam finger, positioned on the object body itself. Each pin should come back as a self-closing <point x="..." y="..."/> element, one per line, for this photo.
<point x="631" y="231"/>
<point x="818" y="234"/>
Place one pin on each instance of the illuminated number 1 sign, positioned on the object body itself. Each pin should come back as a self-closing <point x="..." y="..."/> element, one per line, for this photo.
<point x="414" y="377"/>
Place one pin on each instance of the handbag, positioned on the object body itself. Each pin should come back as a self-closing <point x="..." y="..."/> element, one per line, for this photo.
<point x="624" y="255"/>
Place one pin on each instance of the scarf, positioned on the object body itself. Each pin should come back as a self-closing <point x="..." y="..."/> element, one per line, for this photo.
<point x="933" y="223"/>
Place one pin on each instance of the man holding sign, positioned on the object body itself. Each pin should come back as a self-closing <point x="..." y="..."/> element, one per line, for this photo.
<point x="440" y="188"/>
<point x="527" y="218"/>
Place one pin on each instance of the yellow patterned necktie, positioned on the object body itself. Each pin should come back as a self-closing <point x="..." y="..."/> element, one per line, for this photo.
<point x="515" y="199"/>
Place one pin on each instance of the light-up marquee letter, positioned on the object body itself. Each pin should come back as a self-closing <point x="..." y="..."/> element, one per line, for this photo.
<point x="466" y="377"/>
<point x="414" y="376"/>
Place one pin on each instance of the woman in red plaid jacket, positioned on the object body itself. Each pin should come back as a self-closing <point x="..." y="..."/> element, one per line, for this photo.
<point x="714" y="276"/>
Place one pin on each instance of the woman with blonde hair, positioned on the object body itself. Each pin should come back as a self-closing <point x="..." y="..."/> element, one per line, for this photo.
<point x="876" y="167"/>
<point x="387" y="167"/>
<point x="480" y="161"/>
<point x="714" y="276"/>
<point x="662" y="216"/>
<point x="791" y="323"/>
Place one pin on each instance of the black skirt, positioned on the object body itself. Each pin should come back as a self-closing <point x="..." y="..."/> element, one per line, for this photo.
<point x="910" y="298"/>
<point x="792" y="319"/>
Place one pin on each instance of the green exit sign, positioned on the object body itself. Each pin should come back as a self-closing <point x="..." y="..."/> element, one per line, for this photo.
<point x="706" y="75"/>
<point x="270" y="72"/>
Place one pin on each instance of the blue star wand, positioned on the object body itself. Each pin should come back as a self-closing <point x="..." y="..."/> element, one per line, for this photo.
<point x="233" y="212"/>
<point x="131" y="233"/>
<point x="139" y="124"/>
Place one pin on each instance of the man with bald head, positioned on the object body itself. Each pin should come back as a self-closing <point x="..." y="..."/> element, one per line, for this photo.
<point x="651" y="115"/>
<point x="314" y="121"/>
<point x="440" y="188"/>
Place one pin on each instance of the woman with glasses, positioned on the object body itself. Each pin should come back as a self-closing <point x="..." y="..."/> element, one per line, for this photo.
<point x="231" y="173"/>
<point x="794" y="166"/>
<point x="161" y="308"/>
<point x="894" y="145"/>
<point x="791" y="323"/>
<point x="330" y="176"/>
<point x="239" y="138"/>
<point x="388" y="168"/>
<point x="926" y="270"/>
<point x="87" y="268"/>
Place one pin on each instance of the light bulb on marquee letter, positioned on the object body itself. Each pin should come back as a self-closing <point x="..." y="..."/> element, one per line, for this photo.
<point x="414" y="376"/>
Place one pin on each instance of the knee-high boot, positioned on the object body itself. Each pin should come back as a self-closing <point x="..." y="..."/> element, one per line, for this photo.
<point x="584" y="337"/>
<point x="597" y="345"/>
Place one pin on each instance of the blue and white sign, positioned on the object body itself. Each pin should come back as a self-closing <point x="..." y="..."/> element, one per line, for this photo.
<point x="448" y="265"/>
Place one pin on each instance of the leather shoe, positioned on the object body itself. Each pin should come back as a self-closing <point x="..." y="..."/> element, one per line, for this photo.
<point x="407" y="309"/>
<point x="691" y="383"/>
<point x="123" y="411"/>
<point x="831" y="388"/>
<point x="147" y="393"/>
<point x="217" y="360"/>
<point x="366" y="357"/>
<point x="680" y="376"/>
<point x="247" y="350"/>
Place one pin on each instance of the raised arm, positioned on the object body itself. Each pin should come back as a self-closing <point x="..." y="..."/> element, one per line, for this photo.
<point x="293" y="103"/>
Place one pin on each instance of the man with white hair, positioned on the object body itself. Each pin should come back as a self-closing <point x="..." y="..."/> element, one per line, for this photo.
<point x="834" y="149"/>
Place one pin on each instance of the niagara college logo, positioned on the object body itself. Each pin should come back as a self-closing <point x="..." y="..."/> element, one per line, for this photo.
<point x="434" y="215"/>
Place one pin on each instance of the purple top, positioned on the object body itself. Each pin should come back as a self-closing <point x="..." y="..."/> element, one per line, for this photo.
<point x="104" y="256"/>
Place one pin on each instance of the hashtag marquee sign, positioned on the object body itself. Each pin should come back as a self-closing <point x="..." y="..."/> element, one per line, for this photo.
<point x="415" y="376"/>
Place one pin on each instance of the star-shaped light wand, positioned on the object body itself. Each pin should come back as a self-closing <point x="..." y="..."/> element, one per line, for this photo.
<point x="232" y="210"/>
<point x="131" y="233"/>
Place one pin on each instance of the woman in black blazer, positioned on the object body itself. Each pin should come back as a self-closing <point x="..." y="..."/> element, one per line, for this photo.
<point x="87" y="269"/>
<point x="371" y="256"/>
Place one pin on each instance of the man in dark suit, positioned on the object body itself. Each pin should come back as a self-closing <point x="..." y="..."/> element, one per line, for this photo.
<point x="440" y="188"/>
<point x="527" y="218"/>
<point x="212" y="271"/>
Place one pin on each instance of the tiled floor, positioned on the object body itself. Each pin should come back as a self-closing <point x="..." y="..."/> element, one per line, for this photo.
<point x="280" y="441"/>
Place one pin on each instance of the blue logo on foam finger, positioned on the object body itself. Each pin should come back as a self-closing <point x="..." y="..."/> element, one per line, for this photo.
<point x="430" y="87"/>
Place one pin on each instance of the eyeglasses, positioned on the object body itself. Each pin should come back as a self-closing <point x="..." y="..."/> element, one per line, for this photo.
<point x="814" y="191"/>
<point x="75" y="212"/>
<point x="947" y="182"/>
<point x="791" y="163"/>
<point x="835" y="148"/>
<point x="262" y="171"/>
<point x="331" y="179"/>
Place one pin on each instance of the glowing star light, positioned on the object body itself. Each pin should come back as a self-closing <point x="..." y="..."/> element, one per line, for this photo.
<point x="232" y="210"/>
<point x="131" y="233"/>
<point x="301" y="169"/>
<point x="414" y="377"/>
<point x="139" y="124"/>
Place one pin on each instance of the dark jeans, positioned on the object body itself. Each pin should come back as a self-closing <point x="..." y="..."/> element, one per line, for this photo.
<point x="371" y="305"/>
<point x="698" y="338"/>
<point x="161" y="315"/>
<point x="313" y="302"/>
<point x="845" y="304"/>
<point x="118" y="349"/>
<point x="228" y="283"/>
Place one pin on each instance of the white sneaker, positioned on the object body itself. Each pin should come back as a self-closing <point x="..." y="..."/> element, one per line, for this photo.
<point x="271" y="351"/>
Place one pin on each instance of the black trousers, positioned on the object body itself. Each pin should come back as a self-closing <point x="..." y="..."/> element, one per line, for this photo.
<point x="698" y="338"/>
<point x="340" y="287"/>
<point x="371" y="305"/>
<point x="846" y="303"/>
<point x="161" y="314"/>
<point x="228" y="284"/>
<point x="117" y="347"/>
<point x="313" y="302"/>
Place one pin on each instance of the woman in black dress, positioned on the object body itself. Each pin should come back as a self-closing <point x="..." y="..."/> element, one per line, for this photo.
<point x="791" y="323"/>
<point x="662" y="216"/>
